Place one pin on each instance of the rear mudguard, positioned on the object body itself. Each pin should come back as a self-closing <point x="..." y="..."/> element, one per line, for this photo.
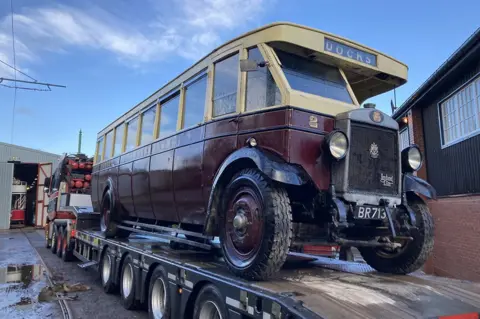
<point x="270" y="164"/>
<point x="412" y="183"/>
<point x="109" y="184"/>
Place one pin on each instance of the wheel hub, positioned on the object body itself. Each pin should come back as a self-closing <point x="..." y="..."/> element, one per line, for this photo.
<point x="240" y="221"/>
<point x="158" y="299"/>
<point x="127" y="281"/>
<point x="244" y="225"/>
<point x="106" y="268"/>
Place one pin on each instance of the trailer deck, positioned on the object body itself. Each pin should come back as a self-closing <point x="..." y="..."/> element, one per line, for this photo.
<point x="307" y="287"/>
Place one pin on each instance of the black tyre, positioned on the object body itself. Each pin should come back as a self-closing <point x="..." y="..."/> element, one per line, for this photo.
<point x="53" y="245"/>
<point x="67" y="249"/>
<point x="106" y="272"/>
<point x="413" y="254"/>
<point x="59" y="241"/>
<point x="48" y="242"/>
<point x="128" y="282"/>
<point x="108" y="224"/>
<point x="210" y="304"/>
<point x="257" y="225"/>
<point x="159" y="295"/>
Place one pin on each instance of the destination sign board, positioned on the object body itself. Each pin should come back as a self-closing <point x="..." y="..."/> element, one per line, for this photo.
<point x="350" y="52"/>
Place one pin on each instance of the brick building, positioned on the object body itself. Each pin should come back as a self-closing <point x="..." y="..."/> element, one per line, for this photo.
<point x="443" y="117"/>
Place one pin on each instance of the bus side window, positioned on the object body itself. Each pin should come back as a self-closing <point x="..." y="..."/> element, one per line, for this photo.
<point x="132" y="127"/>
<point x="108" y="145"/>
<point x="168" y="116"/>
<point x="195" y="102"/>
<point x="148" y="122"/>
<point x="99" y="150"/>
<point x="225" y="86"/>
<point x="262" y="91"/>
<point x="118" y="144"/>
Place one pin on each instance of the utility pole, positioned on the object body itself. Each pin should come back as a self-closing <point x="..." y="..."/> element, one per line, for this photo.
<point x="79" y="142"/>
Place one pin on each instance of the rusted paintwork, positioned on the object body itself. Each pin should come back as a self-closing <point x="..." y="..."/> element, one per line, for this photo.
<point x="171" y="179"/>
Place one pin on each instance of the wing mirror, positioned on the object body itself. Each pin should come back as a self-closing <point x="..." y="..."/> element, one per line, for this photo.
<point x="251" y="65"/>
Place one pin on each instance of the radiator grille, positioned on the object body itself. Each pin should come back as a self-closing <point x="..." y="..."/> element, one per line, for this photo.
<point x="373" y="163"/>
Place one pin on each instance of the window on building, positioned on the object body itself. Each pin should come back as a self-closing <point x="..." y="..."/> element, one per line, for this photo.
<point x="117" y="147"/>
<point x="168" y="116"/>
<point x="404" y="138"/>
<point x="148" y="124"/>
<point x="99" y="150"/>
<point x="262" y="91"/>
<point x="460" y="113"/>
<point x="195" y="102"/>
<point x="132" y="127"/>
<point x="108" y="145"/>
<point x="225" y="86"/>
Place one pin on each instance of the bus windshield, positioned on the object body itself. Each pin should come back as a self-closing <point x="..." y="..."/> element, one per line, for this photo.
<point x="313" y="77"/>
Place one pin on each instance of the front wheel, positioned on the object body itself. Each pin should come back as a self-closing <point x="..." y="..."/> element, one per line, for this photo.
<point x="257" y="224"/>
<point x="413" y="254"/>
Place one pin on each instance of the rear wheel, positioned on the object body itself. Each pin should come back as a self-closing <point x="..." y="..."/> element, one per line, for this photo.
<point x="413" y="254"/>
<point x="108" y="224"/>
<point x="159" y="295"/>
<point x="59" y="241"/>
<point x="67" y="251"/>
<point x="210" y="304"/>
<point x="257" y="228"/>
<point x="48" y="242"/>
<point x="128" y="282"/>
<point x="107" y="273"/>
<point x="53" y="245"/>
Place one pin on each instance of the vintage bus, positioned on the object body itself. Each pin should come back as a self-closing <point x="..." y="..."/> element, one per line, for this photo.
<point x="263" y="143"/>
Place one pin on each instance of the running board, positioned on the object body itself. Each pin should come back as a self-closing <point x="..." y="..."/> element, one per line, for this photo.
<point x="168" y="237"/>
<point x="87" y="264"/>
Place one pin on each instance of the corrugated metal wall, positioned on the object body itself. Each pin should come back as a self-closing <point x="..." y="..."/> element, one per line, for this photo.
<point x="6" y="175"/>
<point x="455" y="169"/>
<point x="10" y="152"/>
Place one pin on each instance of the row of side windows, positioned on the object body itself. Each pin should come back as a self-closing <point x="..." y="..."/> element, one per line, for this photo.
<point x="261" y="91"/>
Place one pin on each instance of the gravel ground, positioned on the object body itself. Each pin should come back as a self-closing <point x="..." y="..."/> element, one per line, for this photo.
<point x="94" y="303"/>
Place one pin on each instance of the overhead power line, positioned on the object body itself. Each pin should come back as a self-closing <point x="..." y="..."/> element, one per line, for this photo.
<point x="28" y="76"/>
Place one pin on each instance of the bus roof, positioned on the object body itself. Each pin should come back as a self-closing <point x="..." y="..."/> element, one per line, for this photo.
<point x="366" y="79"/>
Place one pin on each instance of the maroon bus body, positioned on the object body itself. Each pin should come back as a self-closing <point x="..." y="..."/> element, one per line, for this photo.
<point x="171" y="179"/>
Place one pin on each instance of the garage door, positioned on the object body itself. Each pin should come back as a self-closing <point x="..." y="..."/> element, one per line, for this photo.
<point x="44" y="170"/>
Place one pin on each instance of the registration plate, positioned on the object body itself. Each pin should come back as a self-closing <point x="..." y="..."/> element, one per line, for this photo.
<point x="369" y="212"/>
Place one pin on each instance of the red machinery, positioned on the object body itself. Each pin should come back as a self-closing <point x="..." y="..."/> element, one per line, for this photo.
<point x="19" y="196"/>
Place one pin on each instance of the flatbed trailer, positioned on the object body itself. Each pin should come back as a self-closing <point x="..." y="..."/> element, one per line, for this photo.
<point x="307" y="286"/>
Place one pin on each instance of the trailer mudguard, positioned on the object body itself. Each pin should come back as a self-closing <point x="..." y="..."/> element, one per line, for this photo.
<point x="268" y="163"/>
<point x="412" y="183"/>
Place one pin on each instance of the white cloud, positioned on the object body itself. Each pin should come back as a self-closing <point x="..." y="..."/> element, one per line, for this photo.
<point x="194" y="30"/>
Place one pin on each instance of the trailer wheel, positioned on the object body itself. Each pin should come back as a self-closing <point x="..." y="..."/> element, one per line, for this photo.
<point x="413" y="254"/>
<point x="159" y="295"/>
<point x="257" y="225"/>
<point x="210" y="304"/>
<point x="128" y="282"/>
<point x="60" y="241"/>
<point x="107" y="273"/>
<point x="67" y="253"/>
<point x="53" y="246"/>
<point x="108" y="224"/>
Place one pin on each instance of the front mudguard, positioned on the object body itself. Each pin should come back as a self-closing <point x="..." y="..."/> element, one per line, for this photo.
<point x="417" y="185"/>
<point x="268" y="163"/>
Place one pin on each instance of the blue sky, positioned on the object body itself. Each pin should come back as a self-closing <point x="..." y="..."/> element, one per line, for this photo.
<point x="111" y="54"/>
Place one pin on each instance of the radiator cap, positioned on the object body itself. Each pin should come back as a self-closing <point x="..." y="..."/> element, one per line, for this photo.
<point x="369" y="105"/>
